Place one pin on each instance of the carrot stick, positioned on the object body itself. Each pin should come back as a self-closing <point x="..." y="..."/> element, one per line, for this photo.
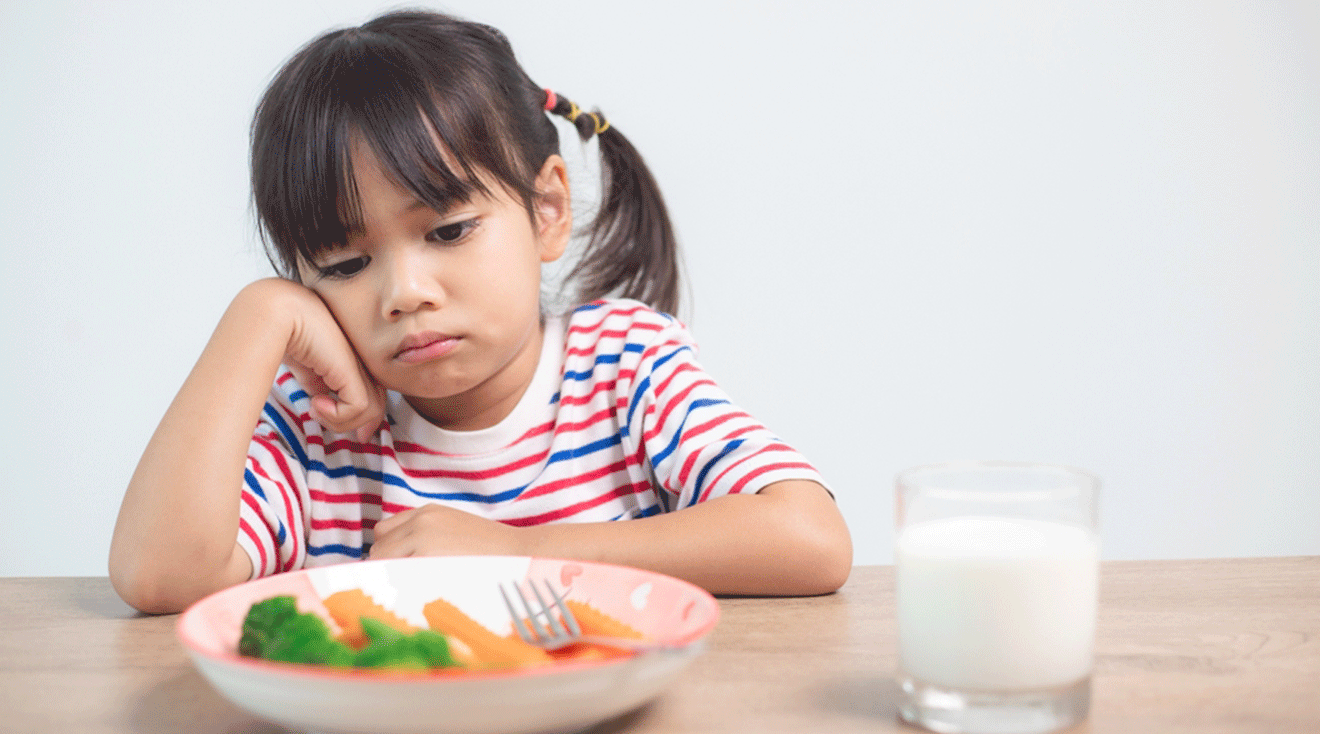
<point x="595" y="622"/>
<point x="490" y="649"/>
<point x="350" y="606"/>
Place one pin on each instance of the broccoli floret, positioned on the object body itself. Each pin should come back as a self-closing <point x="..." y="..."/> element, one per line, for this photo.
<point x="389" y="648"/>
<point x="274" y="629"/>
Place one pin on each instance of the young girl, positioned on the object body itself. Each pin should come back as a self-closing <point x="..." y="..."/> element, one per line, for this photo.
<point x="408" y="181"/>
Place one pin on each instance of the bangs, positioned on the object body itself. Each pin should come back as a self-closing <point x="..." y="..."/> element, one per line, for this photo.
<point x="357" y="87"/>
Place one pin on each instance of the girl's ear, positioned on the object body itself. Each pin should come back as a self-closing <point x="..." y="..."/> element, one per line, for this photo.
<point x="553" y="208"/>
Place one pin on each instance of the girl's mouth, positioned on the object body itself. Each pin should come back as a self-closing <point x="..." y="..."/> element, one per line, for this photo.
<point x="425" y="346"/>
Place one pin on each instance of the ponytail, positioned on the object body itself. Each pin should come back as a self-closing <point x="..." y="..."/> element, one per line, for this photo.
<point x="631" y="250"/>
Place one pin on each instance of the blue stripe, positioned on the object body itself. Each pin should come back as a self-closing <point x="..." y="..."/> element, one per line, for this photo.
<point x="360" y="472"/>
<point x="590" y="448"/>
<point x="604" y="359"/>
<point x="586" y="374"/>
<point x="631" y="515"/>
<point x="252" y="483"/>
<point x="645" y="384"/>
<point x="588" y="307"/>
<point x="290" y="437"/>
<point x="701" y="476"/>
<point x="251" y="480"/>
<point x="678" y="434"/>
<point x="504" y="496"/>
<point x="659" y="362"/>
<point x="297" y="395"/>
<point x="321" y="550"/>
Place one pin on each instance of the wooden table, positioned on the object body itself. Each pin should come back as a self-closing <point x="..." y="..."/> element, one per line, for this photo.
<point x="1182" y="646"/>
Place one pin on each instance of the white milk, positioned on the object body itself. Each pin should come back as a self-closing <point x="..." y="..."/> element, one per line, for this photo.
<point x="996" y="603"/>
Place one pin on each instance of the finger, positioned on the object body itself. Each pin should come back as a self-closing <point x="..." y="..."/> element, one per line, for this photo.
<point x="358" y="409"/>
<point x="389" y="547"/>
<point x="376" y="414"/>
<point x="386" y="525"/>
<point x="307" y="378"/>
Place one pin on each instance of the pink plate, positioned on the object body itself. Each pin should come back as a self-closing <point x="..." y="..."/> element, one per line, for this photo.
<point x="560" y="697"/>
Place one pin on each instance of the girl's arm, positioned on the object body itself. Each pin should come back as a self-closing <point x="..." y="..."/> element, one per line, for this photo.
<point x="176" y="536"/>
<point x="788" y="539"/>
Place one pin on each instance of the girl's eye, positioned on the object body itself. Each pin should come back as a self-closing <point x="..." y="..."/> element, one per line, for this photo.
<point x="451" y="233"/>
<point x="346" y="268"/>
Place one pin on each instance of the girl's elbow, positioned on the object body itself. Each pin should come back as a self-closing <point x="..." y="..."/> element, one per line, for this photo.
<point x="151" y="586"/>
<point x="830" y="564"/>
<point x="822" y="561"/>
<point x="141" y="589"/>
<point x="816" y="537"/>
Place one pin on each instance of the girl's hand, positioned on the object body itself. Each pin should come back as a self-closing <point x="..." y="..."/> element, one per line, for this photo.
<point x="437" y="530"/>
<point x="344" y="396"/>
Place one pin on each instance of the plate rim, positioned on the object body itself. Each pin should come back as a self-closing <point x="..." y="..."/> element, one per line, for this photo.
<point x="682" y="645"/>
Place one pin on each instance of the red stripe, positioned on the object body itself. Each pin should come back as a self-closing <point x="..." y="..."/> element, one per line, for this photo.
<point x="356" y="498"/>
<point x="292" y="535"/>
<point x="717" y="421"/>
<point x="760" y="452"/>
<point x="601" y="416"/>
<point x="252" y="533"/>
<point x="583" y="478"/>
<point x="595" y="346"/>
<point x="583" y="399"/>
<point x="743" y="430"/>
<point x="674" y="402"/>
<point x="347" y="498"/>
<point x="574" y="509"/>
<point x="337" y="524"/>
<point x="480" y="474"/>
<point x="587" y="328"/>
<point x="345" y="443"/>
<point x="663" y="387"/>
<point x="697" y="431"/>
<point x="769" y="467"/>
<point x="293" y="499"/>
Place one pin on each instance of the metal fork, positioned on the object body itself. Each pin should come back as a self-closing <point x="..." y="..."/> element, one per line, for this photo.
<point x="551" y="625"/>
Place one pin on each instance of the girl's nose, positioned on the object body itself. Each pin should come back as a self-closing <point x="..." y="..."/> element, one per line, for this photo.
<point x="411" y="285"/>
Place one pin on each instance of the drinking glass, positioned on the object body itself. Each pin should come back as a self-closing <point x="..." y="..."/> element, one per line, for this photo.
<point x="997" y="568"/>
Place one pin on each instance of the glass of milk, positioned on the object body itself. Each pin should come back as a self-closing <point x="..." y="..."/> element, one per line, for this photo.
<point x="997" y="568"/>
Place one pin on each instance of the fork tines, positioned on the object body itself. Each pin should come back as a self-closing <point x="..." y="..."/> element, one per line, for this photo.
<point x="546" y="622"/>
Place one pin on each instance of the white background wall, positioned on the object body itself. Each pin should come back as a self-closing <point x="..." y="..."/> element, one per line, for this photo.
<point x="1072" y="232"/>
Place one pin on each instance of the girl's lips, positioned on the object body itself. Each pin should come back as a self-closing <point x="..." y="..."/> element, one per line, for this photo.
<point x="425" y="346"/>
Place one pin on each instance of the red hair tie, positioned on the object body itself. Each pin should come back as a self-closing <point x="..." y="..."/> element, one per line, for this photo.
<point x="550" y="100"/>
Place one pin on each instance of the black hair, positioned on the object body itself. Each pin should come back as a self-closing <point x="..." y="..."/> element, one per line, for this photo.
<point x="407" y="77"/>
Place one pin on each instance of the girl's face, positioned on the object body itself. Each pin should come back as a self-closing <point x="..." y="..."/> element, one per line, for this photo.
<point x="444" y="307"/>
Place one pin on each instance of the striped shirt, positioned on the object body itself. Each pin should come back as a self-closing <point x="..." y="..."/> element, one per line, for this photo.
<point x="619" y="422"/>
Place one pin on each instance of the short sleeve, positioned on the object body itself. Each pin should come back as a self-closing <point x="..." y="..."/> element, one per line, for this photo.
<point x="698" y="442"/>
<point x="275" y="492"/>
